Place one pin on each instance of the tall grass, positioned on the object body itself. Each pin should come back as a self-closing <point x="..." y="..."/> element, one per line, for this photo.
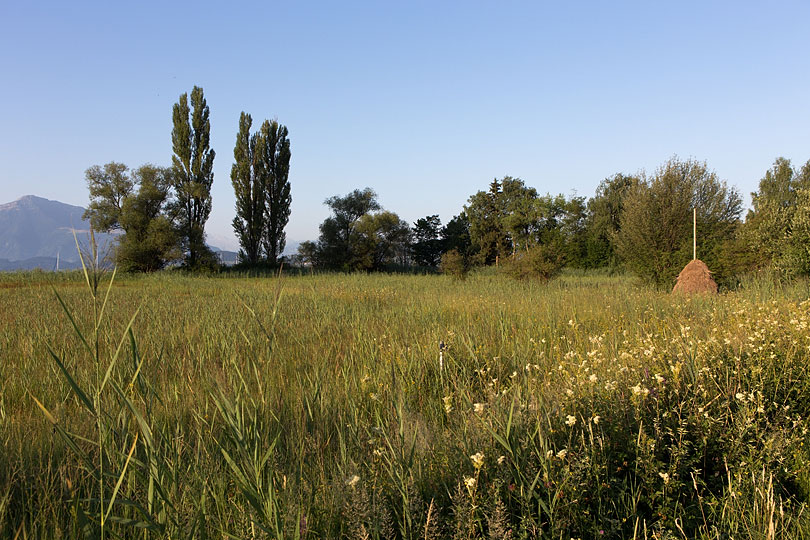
<point x="172" y="406"/>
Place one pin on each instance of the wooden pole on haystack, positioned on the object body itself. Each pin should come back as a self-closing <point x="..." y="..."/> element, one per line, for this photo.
<point x="694" y="233"/>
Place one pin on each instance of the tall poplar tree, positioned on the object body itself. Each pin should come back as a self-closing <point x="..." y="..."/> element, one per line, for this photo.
<point x="249" y="188"/>
<point x="192" y="163"/>
<point x="273" y="164"/>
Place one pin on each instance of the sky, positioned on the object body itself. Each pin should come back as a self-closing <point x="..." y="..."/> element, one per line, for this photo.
<point x="423" y="101"/>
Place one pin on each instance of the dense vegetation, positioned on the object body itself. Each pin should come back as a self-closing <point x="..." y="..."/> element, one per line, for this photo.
<point x="394" y="406"/>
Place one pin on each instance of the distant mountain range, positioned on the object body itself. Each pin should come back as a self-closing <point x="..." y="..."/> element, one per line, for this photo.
<point x="38" y="233"/>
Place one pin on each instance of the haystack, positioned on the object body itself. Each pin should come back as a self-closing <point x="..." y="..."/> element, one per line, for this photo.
<point x="695" y="278"/>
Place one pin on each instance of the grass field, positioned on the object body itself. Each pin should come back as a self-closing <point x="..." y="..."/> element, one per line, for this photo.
<point x="398" y="406"/>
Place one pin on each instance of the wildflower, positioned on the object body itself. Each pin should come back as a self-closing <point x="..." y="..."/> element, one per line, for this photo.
<point x="593" y="378"/>
<point x="562" y="453"/>
<point x="478" y="408"/>
<point x="665" y="477"/>
<point x="636" y="389"/>
<point x="658" y="378"/>
<point x="740" y="396"/>
<point x="477" y="459"/>
<point x="570" y="420"/>
<point x="353" y="480"/>
<point x="569" y="392"/>
<point x="596" y="419"/>
<point x="501" y="459"/>
<point x="470" y="482"/>
<point x="448" y="405"/>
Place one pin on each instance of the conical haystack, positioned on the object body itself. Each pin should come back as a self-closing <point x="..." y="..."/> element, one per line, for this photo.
<point x="695" y="278"/>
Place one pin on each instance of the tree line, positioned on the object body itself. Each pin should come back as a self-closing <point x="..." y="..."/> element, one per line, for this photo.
<point x="161" y="212"/>
<point x="638" y="222"/>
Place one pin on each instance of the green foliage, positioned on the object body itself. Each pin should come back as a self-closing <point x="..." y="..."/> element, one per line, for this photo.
<point x="456" y="235"/>
<point x="655" y="235"/>
<point x="260" y="182"/>
<point x="192" y="165"/>
<point x="485" y="213"/>
<point x="543" y="262"/>
<point x="109" y="186"/>
<point x="454" y="264"/>
<point x="150" y="239"/>
<point x="335" y="248"/>
<point x="427" y="247"/>
<point x="273" y="160"/>
<point x="774" y="229"/>
<point x="604" y="220"/>
<point x="249" y="190"/>
<point x="377" y="240"/>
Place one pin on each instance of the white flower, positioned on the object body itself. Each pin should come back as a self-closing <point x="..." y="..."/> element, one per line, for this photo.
<point x="593" y="378"/>
<point x="562" y="453"/>
<point x="353" y="480"/>
<point x="477" y="459"/>
<point x="659" y="379"/>
<point x="478" y="408"/>
<point x="470" y="482"/>
<point x="665" y="476"/>
<point x="596" y="419"/>
<point x="740" y="396"/>
<point x="501" y="459"/>
<point x="570" y="420"/>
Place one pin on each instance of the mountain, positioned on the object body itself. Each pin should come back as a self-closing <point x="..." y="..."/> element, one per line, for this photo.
<point x="36" y="231"/>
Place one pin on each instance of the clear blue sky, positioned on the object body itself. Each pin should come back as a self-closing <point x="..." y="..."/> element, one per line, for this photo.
<point x="425" y="102"/>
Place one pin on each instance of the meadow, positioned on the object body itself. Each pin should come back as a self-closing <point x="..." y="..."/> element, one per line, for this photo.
<point x="400" y="406"/>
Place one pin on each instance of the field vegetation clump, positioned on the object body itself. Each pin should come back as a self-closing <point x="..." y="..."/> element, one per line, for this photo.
<point x="393" y="406"/>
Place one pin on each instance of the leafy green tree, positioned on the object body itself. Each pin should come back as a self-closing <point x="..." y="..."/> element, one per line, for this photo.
<point x="573" y="229"/>
<point x="273" y="165"/>
<point x="150" y="240"/>
<point x="249" y="189"/>
<point x="769" y="225"/>
<point x="604" y="220"/>
<point x="485" y="212"/>
<point x="519" y="213"/>
<point x="655" y="235"/>
<point x="795" y="259"/>
<point x="109" y="186"/>
<point x="192" y="164"/>
<point x="455" y="235"/>
<point x="378" y="240"/>
<point x="335" y="248"/>
<point x="427" y="247"/>
<point x="136" y="204"/>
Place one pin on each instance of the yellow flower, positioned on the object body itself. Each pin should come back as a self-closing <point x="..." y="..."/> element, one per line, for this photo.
<point x="570" y="420"/>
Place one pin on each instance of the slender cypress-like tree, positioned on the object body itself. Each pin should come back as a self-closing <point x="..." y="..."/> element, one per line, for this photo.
<point x="273" y="164"/>
<point x="193" y="162"/>
<point x="249" y="188"/>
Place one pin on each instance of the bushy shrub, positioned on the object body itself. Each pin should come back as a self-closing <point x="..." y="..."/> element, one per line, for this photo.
<point x="454" y="264"/>
<point x="539" y="262"/>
